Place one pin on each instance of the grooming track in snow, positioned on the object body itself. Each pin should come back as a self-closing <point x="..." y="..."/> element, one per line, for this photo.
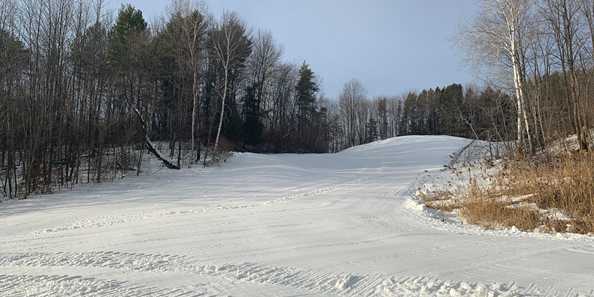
<point x="63" y="285"/>
<point x="325" y="283"/>
<point x="279" y="225"/>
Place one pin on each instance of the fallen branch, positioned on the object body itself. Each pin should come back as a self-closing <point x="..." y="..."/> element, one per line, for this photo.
<point x="456" y="156"/>
<point x="151" y="147"/>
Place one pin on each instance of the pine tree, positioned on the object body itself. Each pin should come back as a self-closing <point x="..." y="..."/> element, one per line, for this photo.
<point x="382" y="110"/>
<point x="371" y="131"/>
<point x="129" y="29"/>
<point x="450" y="103"/>
<point x="306" y="97"/>
<point x="252" y="125"/>
<point x="398" y="119"/>
<point x="409" y="115"/>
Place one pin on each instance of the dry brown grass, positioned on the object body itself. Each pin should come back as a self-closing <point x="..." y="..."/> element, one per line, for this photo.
<point x="482" y="208"/>
<point x="492" y="214"/>
<point x="565" y="183"/>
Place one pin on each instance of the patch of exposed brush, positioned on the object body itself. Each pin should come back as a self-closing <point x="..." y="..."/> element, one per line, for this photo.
<point x="492" y="210"/>
<point x="545" y="194"/>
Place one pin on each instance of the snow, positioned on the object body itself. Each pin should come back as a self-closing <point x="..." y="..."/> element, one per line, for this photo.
<point x="280" y="225"/>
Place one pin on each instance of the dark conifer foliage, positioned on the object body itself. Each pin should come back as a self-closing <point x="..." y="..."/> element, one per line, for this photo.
<point x="451" y="110"/>
<point x="252" y="126"/>
<point x="307" y="113"/>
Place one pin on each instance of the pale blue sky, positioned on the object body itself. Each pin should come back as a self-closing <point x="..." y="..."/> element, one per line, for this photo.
<point x="391" y="46"/>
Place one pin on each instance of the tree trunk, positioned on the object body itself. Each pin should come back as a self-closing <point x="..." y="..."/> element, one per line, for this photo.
<point x="222" y="108"/>
<point x="522" y="120"/>
<point x="151" y="147"/>
<point x="194" y="109"/>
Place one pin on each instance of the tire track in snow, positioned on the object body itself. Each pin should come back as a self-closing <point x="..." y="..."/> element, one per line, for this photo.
<point x="340" y="284"/>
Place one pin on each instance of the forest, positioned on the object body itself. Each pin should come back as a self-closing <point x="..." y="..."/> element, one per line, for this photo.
<point x="85" y="94"/>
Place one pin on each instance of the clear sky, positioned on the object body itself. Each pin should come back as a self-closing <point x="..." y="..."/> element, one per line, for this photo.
<point x="391" y="46"/>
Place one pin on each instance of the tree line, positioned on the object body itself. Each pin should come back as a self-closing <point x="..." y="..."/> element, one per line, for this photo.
<point x="471" y="111"/>
<point x="82" y="94"/>
<point x="85" y="95"/>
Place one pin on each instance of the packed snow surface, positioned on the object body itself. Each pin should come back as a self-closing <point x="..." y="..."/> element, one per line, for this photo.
<point x="278" y="225"/>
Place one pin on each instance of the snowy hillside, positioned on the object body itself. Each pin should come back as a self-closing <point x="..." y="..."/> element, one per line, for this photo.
<point x="276" y="225"/>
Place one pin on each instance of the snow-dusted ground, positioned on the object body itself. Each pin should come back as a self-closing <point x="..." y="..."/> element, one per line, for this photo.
<point x="278" y="225"/>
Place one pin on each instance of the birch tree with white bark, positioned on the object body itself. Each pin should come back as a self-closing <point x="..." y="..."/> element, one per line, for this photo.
<point x="499" y="36"/>
<point x="193" y="33"/>
<point x="229" y="46"/>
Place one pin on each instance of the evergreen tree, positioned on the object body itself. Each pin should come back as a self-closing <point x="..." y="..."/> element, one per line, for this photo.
<point x="306" y="96"/>
<point x="409" y="115"/>
<point x="398" y="118"/>
<point x="450" y="104"/>
<point x="128" y="59"/>
<point x="233" y="124"/>
<point x="125" y="36"/>
<point x="382" y="110"/>
<point x="167" y="72"/>
<point x="323" y="139"/>
<point x="252" y="125"/>
<point x="12" y="54"/>
<point x="371" y="131"/>
<point x="309" y="120"/>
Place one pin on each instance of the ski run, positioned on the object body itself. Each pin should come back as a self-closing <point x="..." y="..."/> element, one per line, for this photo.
<point x="344" y="224"/>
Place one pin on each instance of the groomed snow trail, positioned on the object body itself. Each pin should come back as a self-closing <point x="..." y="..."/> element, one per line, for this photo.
<point x="276" y="225"/>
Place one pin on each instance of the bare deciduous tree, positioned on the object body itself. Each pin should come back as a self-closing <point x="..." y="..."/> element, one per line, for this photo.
<point x="229" y="46"/>
<point x="351" y="100"/>
<point x="563" y="18"/>
<point x="262" y="62"/>
<point x="193" y="35"/>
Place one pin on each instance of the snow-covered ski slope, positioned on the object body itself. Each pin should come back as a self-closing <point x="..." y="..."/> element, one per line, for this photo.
<point x="276" y="225"/>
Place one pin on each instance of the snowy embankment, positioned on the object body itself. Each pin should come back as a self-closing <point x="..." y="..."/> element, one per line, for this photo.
<point x="277" y="225"/>
<point x="438" y="196"/>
